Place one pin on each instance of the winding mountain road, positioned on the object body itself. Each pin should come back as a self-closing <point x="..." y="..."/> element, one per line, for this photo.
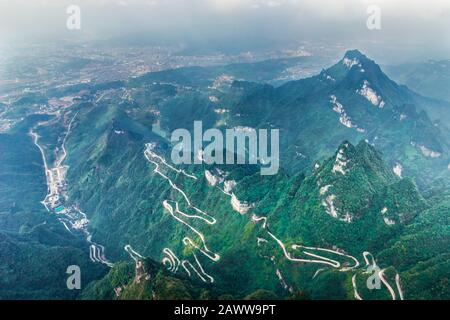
<point x="316" y="253"/>
<point x="173" y="208"/>
<point x="96" y="251"/>
<point x="136" y="256"/>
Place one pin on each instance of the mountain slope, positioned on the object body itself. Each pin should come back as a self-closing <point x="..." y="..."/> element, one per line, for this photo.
<point x="350" y="203"/>
<point x="353" y="145"/>
<point x="352" y="100"/>
<point x="35" y="248"/>
<point x="430" y="78"/>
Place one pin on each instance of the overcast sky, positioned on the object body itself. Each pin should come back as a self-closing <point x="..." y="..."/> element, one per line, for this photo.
<point x="421" y="26"/>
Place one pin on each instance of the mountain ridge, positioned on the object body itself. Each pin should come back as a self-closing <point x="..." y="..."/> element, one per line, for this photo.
<point x="348" y="187"/>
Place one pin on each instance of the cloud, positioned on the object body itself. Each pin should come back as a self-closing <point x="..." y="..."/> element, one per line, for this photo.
<point x="419" y="22"/>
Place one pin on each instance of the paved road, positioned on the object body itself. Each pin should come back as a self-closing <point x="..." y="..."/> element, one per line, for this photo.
<point x="315" y="253"/>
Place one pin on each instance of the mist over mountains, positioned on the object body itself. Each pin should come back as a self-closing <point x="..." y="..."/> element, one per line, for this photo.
<point x="363" y="181"/>
<point x="232" y="26"/>
<point x="358" y="207"/>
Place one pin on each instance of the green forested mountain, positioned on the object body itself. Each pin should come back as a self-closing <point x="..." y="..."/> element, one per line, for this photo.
<point x="429" y="78"/>
<point x="352" y="100"/>
<point x="35" y="249"/>
<point x="363" y="183"/>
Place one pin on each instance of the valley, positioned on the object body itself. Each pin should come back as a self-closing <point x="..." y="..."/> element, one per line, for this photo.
<point x="174" y="262"/>
<point x="236" y="155"/>
<point x="352" y="202"/>
<point x="56" y="201"/>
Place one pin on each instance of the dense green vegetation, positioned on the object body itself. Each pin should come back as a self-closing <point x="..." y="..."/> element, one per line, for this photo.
<point x="336" y="189"/>
<point x="35" y="249"/>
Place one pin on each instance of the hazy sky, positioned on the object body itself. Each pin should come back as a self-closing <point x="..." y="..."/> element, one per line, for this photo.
<point x="421" y="26"/>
